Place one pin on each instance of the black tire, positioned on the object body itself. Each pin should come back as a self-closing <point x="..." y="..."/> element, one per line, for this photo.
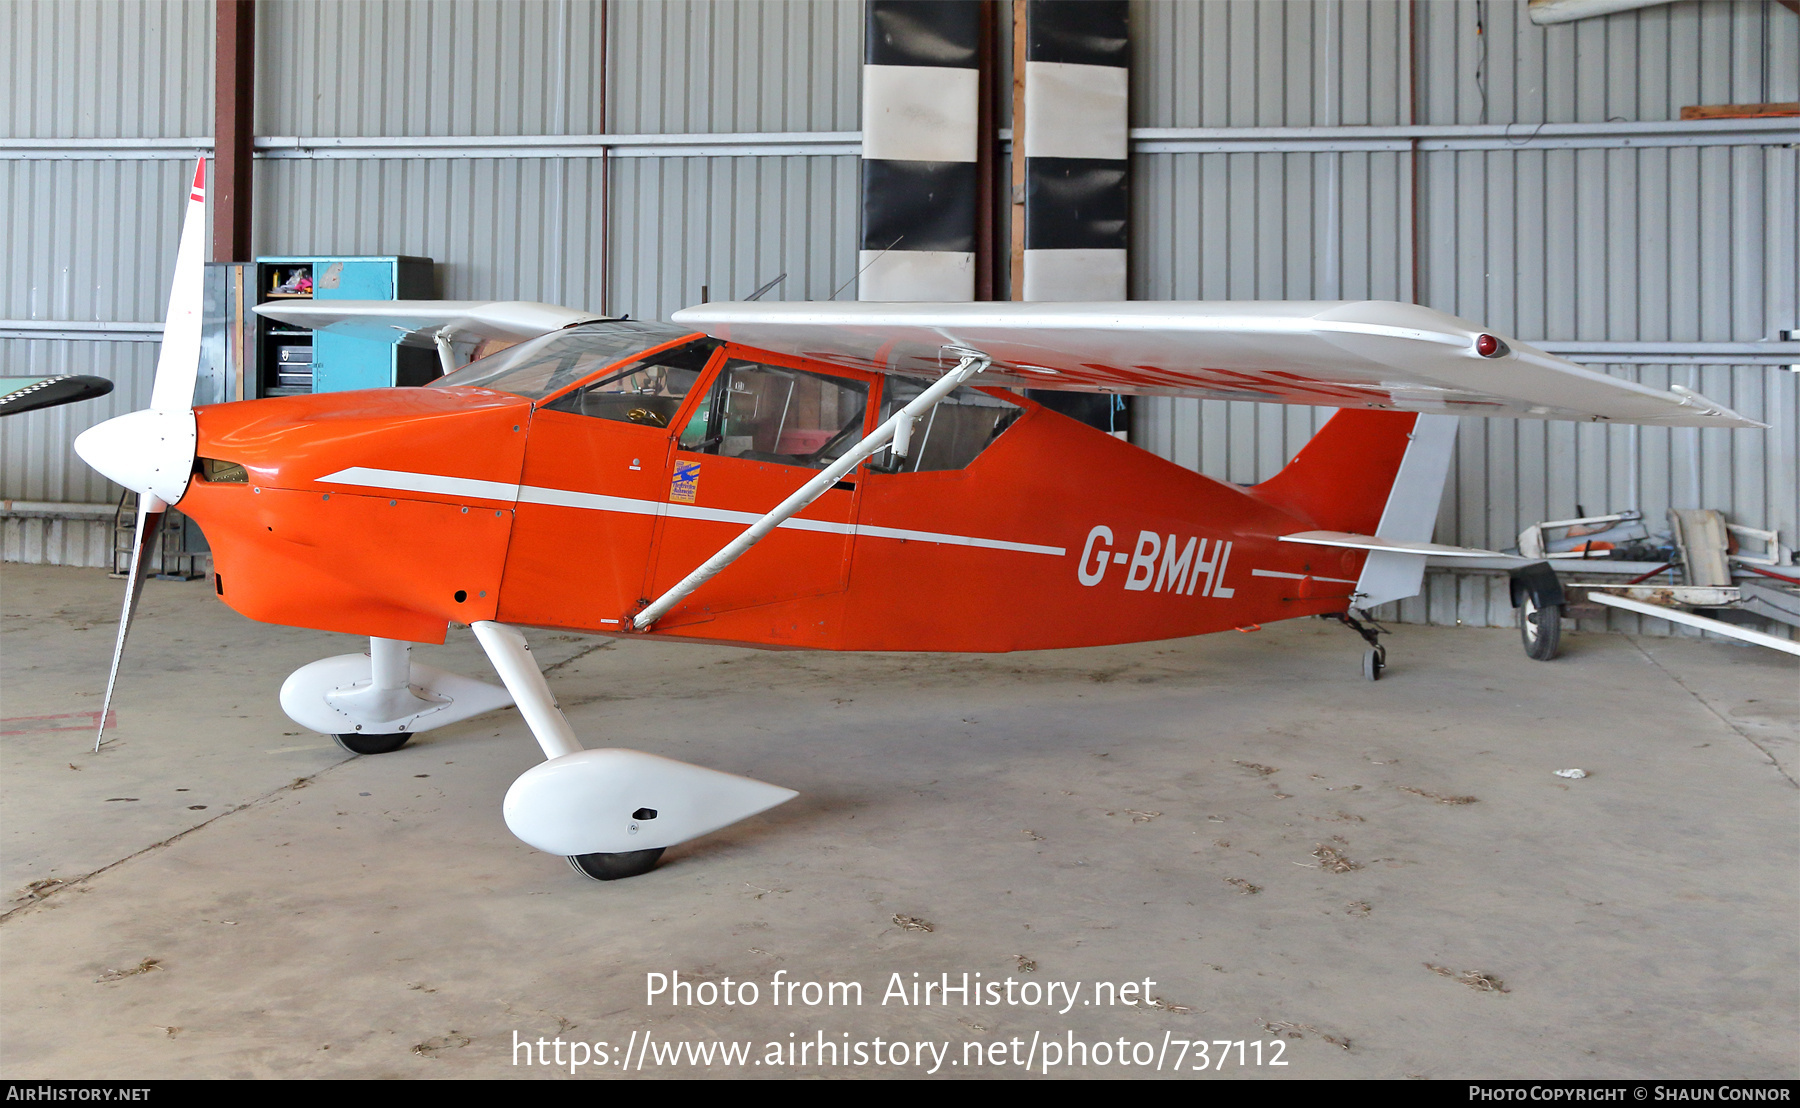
<point x="1540" y="629"/>
<point x="362" y="743"/>
<point x="611" y="867"/>
<point x="1374" y="662"/>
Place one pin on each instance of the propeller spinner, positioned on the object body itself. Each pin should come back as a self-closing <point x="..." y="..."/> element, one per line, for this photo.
<point x="152" y="451"/>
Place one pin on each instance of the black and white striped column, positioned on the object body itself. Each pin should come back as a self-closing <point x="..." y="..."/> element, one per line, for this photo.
<point x="1076" y="198"/>
<point x="920" y="98"/>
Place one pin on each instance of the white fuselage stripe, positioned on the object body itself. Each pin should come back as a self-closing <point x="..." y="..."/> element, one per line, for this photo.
<point x="403" y="481"/>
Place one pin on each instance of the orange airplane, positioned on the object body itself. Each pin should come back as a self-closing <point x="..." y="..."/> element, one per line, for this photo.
<point x="818" y="475"/>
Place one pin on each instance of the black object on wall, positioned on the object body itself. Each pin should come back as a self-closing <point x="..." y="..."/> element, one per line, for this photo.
<point x="1077" y="183"/>
<point x="921" y="95"/>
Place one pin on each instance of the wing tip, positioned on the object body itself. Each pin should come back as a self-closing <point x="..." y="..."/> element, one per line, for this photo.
<point x="1712" y="409"/>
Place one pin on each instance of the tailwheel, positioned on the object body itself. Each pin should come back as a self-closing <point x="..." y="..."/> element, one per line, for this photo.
<point x="1375" y="658"/>
<point x="363" y="743"/>
<point x="611" y="867"/>
<point x="1374" y="661"/>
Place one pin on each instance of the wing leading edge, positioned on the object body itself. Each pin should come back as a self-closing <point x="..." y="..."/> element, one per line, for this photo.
<point x="1344" y="354"/>
<point x="418" y="322"/>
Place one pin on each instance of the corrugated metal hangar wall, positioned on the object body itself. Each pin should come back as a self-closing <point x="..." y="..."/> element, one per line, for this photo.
<point x="622" y="156"/>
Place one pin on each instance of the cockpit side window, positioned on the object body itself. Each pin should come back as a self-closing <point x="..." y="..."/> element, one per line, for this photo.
<point x="952" y="435"/>
<point x="648" y="391"/>
<point x="770" y="413"/>
<point x="540" y="367"/>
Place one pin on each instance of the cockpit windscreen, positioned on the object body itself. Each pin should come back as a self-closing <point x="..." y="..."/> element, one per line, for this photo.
<point x="537" y="368"/>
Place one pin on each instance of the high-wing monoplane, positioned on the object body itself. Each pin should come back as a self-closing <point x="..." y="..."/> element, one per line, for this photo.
<point x="830" y="476"/>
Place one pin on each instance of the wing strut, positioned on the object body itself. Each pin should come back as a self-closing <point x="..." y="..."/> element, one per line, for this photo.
<point x="446" y="356"/>
<point x="898" y="428"/>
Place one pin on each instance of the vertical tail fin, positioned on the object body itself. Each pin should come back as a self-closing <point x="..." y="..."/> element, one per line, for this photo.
<point x="1372" y="473"/>
<point x="1341" y="478"/>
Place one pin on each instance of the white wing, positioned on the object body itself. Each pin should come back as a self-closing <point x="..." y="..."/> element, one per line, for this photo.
<point x="1344" y="354"/>
<point x="417" y="322"/>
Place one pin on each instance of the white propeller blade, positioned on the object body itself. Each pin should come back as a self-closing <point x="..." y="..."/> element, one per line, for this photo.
<point x="179" y="364"/>
<point x="152" y="451"/>
<point x="149" y="526"/>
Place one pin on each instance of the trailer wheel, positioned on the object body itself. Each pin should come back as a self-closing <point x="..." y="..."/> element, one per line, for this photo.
<point x="1540" y="629"/>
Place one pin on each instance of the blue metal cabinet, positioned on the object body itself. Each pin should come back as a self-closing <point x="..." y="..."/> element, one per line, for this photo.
<point x="336" y="363"/>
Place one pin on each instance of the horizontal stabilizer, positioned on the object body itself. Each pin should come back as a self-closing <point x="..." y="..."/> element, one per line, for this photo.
<point x="1396" y="546"/>
<point x="418" y="322"/>
<point x="1342" y="354"/>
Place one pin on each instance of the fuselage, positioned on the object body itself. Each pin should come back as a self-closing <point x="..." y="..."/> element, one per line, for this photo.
<point x="395" y="512"/>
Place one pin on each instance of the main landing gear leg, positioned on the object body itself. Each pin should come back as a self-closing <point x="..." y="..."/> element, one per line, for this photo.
<point x="611" y="812"/>
<point x="1375" y="658"/>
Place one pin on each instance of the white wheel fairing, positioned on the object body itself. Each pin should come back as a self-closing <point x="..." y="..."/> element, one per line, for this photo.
<point x="336" y="696"/>
<point x="589" y="802"/>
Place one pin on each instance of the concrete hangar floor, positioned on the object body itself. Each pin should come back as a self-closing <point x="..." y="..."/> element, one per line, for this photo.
<point x="1352" y="879"/>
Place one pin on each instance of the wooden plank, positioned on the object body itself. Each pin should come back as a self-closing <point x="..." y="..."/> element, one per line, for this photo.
<point x="234" y="75"/>
<point x="1016" y="253"/>
<point x="1741" y="111"/>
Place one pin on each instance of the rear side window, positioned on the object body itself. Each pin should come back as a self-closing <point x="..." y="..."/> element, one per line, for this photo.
<point x="951" y="435"/>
